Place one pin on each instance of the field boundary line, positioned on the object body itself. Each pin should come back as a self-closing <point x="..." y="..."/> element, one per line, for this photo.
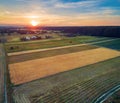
<point x="61" y="47"/>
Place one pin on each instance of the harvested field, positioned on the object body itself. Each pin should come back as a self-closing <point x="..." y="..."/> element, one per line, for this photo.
<point x="80" y="85"/>
<point x="47" y="52"/>
<point x="17" y="57"/>
<point x="34" y="69"/>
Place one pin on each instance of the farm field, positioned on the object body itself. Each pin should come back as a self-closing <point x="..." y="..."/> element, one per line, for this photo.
<point x="43" y="67"/>
<point x="115" y="44"/>
<point x="47" y="52"/>
<point x="16" y="37"/>
<point x="80" y="85"/>
<point x="21" y="57"/>
<point x="45" y="74"/>
<point x="23" y="46"/>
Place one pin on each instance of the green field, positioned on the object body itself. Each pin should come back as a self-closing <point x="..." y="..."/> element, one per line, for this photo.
<point x="81" y="85"/>
<point x="48" y="53"/>
<point x="16" y="37"/>
<point x="115" y="44"/>
<point x="31" y="45"/>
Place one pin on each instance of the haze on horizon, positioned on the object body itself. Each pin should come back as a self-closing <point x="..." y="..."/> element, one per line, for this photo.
<point x="60" y="12"/>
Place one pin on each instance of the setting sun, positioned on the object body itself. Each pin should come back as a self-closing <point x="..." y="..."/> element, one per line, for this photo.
<point x="34" y="23"/>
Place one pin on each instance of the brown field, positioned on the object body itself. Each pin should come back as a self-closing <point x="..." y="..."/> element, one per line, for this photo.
<point x="42" y="53"/>
<point x="34" y="69"/>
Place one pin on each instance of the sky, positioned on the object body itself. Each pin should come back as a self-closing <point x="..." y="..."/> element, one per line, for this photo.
<point x="60" y="12"/>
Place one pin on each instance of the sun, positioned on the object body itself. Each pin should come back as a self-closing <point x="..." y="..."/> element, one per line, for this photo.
<point x="34" y="23"/>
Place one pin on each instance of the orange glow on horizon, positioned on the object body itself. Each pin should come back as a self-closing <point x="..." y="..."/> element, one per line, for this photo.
<point x="60" y="21"/>
<point x="34" y="23"/>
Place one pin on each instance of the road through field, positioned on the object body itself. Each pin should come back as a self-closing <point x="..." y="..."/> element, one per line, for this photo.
<point x="3" y="80"/>
<point x="1" y="77"/>
<point x="34" y="69"/>
<point x="38" y="50"/>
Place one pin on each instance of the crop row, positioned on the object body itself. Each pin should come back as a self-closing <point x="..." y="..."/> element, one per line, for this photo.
<point x="83" y="92"/>
<point x="82" y="84"/>
<point x="48" y="53"/>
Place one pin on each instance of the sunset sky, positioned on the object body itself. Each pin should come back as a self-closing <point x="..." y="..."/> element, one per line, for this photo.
<point x="60" y="12"/>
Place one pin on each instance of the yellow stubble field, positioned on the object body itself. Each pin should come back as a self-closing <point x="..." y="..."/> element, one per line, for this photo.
<point x="27" y="71"/>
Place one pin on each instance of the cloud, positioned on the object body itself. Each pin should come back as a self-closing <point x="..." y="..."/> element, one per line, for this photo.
<point x="77" y="4"/>
<point x="7" y="12"/>
<point x="61" y="12"/>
